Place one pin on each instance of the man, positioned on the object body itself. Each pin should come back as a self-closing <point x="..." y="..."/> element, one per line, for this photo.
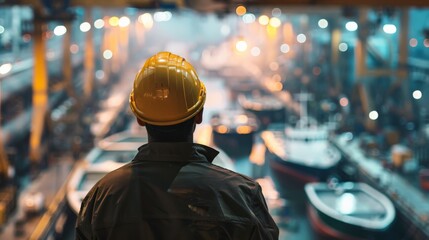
<point x="170" y="190"/>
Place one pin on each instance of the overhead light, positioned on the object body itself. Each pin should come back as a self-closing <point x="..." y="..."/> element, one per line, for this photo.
<point x="351" y="26"/>
<point x="389" y="28"/>
<point x="323" y="23"/>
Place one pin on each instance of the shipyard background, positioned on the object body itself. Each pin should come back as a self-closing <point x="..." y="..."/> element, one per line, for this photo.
<point x="66" y="69"/>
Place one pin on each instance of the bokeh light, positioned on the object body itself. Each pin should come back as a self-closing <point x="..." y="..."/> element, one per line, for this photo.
<point x="85" y="27"/>
<point x="301" y="38"/>
<point x="240" y="10"/>
<point x="323" y="23"/>
<point x="417" y="94"/>
<point x="60" y="30"/>
<point x="107" y="54"/>
<point x="373" y="115"/>
<point x="351" y="26"/>
<point x="241" y="45"/>
<point x="263" y="20"/>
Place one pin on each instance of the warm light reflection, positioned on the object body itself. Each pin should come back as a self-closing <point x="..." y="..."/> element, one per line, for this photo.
<point x="277" y="77"/>
<point x="114" y="21"/>
<point x="241" y="45"/>
<point x="147" y="20"/>
<point x="244" y="129"/>
<point x="240" y="10"/>
<point x="222" y="129"/>
<point x="263" y="20"/>
<point x="274" y="86"/>
<point x="275" y="22"/>
<point x="271" y="32"/>
<point x="288" y="34"/>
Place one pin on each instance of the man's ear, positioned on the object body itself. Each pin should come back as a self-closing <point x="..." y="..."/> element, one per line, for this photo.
<point x="199" y="117"/>
<point x="140" y="122"/>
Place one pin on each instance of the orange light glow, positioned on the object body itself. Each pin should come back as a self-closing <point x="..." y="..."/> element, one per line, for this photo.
<point x="222" y="129"/>
<point x="277" y="77"/>
<point x="288" y="34"/>
<point x="274" y="86"/>
<point x="244" y="129"/>
<point x="241" y="10"/>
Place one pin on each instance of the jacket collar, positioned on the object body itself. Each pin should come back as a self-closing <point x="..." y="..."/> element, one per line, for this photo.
<point x="175" y="151"/>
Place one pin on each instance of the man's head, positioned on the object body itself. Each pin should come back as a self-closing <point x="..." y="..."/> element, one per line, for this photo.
<point x="167" y="96"/>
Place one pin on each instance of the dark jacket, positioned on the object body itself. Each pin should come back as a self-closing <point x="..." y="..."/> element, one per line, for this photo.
<point x="172" y="191"/>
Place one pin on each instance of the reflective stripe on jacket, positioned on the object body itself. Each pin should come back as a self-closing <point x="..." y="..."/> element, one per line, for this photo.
<point x="173" y="191"/>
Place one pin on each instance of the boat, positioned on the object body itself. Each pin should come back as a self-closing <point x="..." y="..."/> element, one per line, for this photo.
<point x="109" y="154"/>
<point x="267" y="108"/>
<point x="300" y="154"/>
<point x="349" y="210"/>
<point x="234" y="131"/>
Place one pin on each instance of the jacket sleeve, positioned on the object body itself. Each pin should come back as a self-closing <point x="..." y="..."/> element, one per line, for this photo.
<point x="84" y="219"/>
<point x="268" y="228"/>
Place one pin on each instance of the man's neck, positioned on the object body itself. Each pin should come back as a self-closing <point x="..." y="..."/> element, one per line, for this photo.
<point x="153" y="140"/>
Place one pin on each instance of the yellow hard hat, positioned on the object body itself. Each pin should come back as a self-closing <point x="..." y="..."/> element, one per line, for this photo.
<point x="167" y="91"/>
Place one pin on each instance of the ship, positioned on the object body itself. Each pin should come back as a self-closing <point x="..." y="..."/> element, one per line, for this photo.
<point x="301" y="153"/>
<point x="349" y="210"/>
<point x="234" y="131"/>
<point x="266" y="107"/>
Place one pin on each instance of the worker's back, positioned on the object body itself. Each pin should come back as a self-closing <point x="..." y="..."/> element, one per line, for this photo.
<point x="178" y="195"/>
